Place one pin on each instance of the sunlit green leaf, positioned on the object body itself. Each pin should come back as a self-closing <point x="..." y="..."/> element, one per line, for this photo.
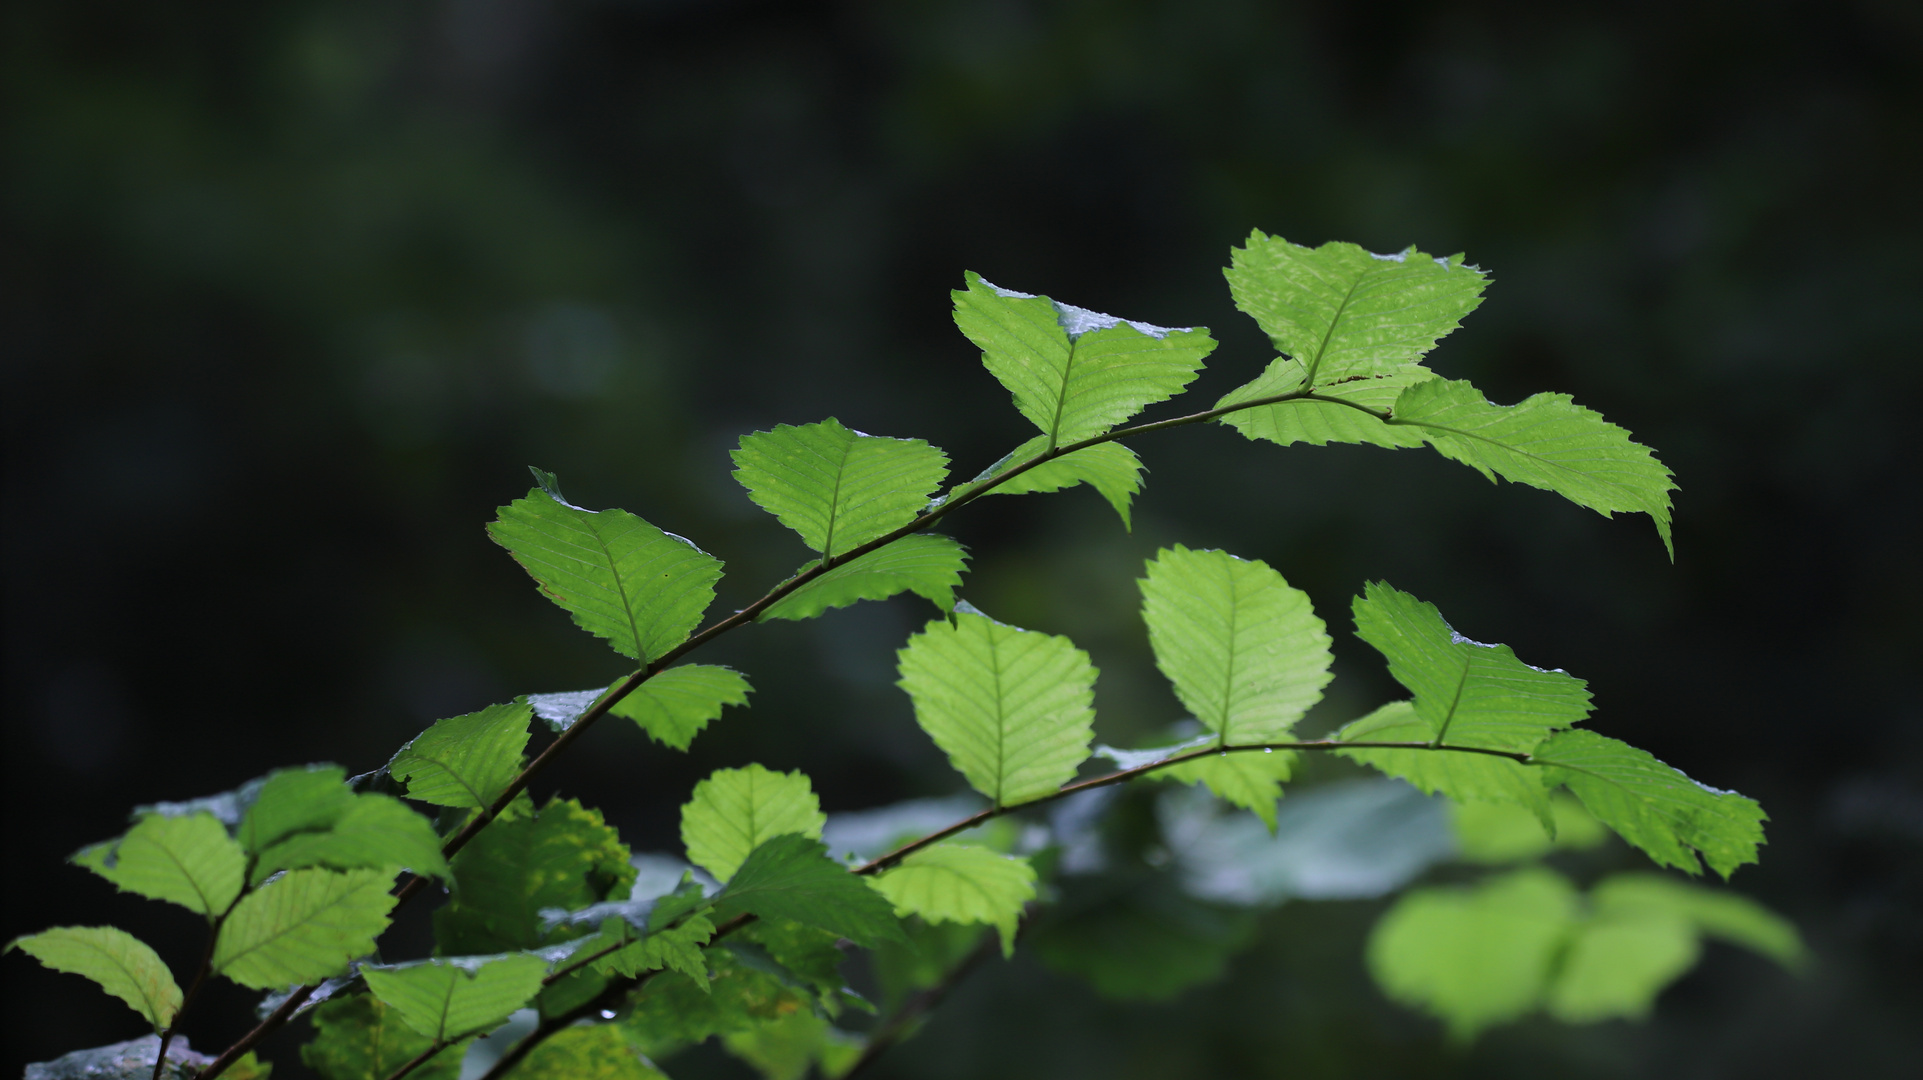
<point x="1462" y="776"/>
<point x="1342" y="311"/>
<point x="1474" y="957"/>
<point x="1245" y="650"/>
<point x="303" y="927"/>
<point x="1546" y="441"/>
<point x="448" y="998"/>
<point x="290" y="801"/>
<point x="1012" y="708"/>
<point x="927" y="564"/>
<point x="1075" y="373"/>
<point x="1111" y="468"/>
<point x="376" y="831"/>
<point x="593" y="1052"/>
<point x="187" y="859"/>
<point x="122" y="965"/>
<point x="962" y="883"/>
<point x="1495" y="833"/>
<point x="1617" y="961"/>
<point x="838" y="488"/>
<point x="622" y="579"/>
<point x="1718" y="913"/>
<point x="1467" y="693"/>
<point x="674" y="705"/>
<point x="735" y="811"/>
<point x="792" y="877"/>
<point x="1249" y="780"/>
<point x="1653" y="806"/>
<point x="1316" y="422"/>
<point x="465" y="761"/>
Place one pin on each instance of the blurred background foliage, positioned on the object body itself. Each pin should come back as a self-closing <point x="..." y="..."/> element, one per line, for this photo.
<point x="294" y="292"/>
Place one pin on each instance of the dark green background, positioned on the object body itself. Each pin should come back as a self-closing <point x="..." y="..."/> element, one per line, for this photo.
<point x="293" y="292"/>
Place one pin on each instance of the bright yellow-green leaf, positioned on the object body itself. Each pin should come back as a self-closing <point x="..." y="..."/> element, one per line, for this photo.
<point x="674" y="705"/>
<point x="122" y="965"/>
<point x="1495" y="833"/>
<point x="838" y="488"/>
<point x="187" y="859"/>
<point x="303" y="927"/>
<point x="465" y="761"/>
<point x="452" y="997"/>
<point x="962" y="883"/>
<point x="735" y="811"/>
<point x="1462" y="776"/>
<point x="1111" y="468"/>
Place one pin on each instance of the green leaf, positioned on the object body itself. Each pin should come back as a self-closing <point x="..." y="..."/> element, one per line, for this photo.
<point x="734" y="811"/>
<point x="1546" y="441"/>
<point x="1462" y="776"/>
<point x="187" y="860"/>
<point x="376" y="831"/>
<point x="563" y="856"/>
<point x="670" y="1010"/>
<point x="1250" y="780"/>
<point x="465" y="761"/>
<point x="303" y="927"/>
<point x="1467" y="693"/>
<point x="1617" y="961"/>
<point x="674" y="705"/>
<point x="290" y="801"/>
<point x="792" y="877"/>
<point x="962" y="883"/>
<point x="1474" y="957"/>
<point x="447" y="999"/>
<point x="838" y="488"/>
<point x="591" y="1052"/>
<point x="927" y="564"/>
<point x="1343" y="312"/>
<point x="1011" y="708"/>
<point x="1111" y="468"/>
<point x="622" y="579"/>
<point x="1495" y="833"/>
<point x="1140" y="940"/>
<point x="1074" y="372"/>
<point x="1318" y="423"/>
<point x="785" y="1049"/>
<point x="121" y="963"/>
<point x="808" y="954"/>
<point x="1654" y="807"/>
<point x="676" y="948"/>
<point x="1729" y="916"/>
<point x="359" y="1038"/>
<point x="1245" y="651"/>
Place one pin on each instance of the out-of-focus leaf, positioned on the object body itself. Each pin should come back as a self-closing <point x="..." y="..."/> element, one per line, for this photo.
<point x="134" y="1060"/>
<point x="1495" y="833"/>
<point x="785" y="1049"/>
<point x="1140" y="940"/>
<point x="590" y="1052"/>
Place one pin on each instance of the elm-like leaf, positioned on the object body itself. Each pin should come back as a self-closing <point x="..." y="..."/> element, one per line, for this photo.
<point x="1617" y="960"/>
<point x="447" y="998"/>
<point x="1546" y="441"/>
<point x="1318" y="422"/>
<point x="593" y="1052"/>
<point x="376" y="831"/>
<point x="1342" y="311"/>
<point x="962" y="883"/>
<point x="674" y="705"/>
<point x="927" y="564"/>
<point x="359" y="1038"/>
<point x="1656" y="808"/>
<point x="1463" y="776"/>
<point x="303" y="927"/>
<point x="1111" y="468"/>
<point x="290" y="801"/>
<point x="623" y="580"/>
<point x="791" y="877"/>
<point x="185" y="859"/>
<point x="836" y="487"/>
<point x="1012" y="708"/>
<point x="120" y="963"/>
<point x="1245" y="650"/>
<point x="1467" y="693"/>
<point x="1249" y="780"/>
<point x="1714" y="912"/>
<point x="526" y="862"/>
<point x="735" y="811"/>
<point x="1074" y="372"/>
<point x="465" y="761"/>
